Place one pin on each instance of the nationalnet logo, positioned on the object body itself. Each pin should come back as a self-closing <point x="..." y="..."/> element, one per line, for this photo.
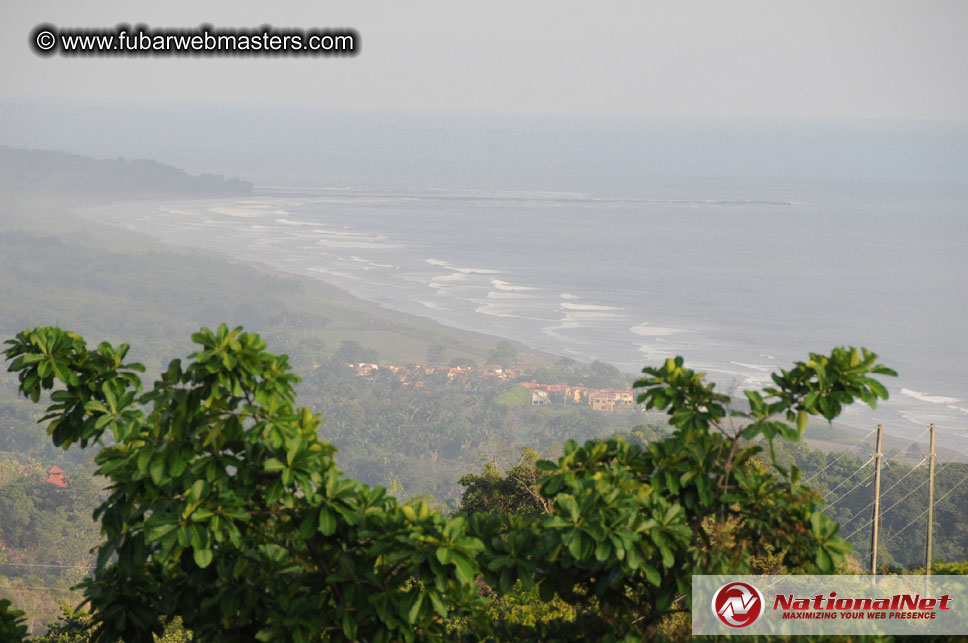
<point x="898" y="606"/>
<point x="737" y="604"/>
<point x="806" y="604"/>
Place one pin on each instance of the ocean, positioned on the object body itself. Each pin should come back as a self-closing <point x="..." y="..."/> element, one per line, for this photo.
<point x="739" y="287"/>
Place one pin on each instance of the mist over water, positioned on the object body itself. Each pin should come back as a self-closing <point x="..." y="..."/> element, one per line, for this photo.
<point x="738" y="287"/>
<point x="740" y="244"/>
<point x="610" y="155"/>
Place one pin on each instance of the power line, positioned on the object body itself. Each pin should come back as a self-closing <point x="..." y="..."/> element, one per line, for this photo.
<point x="893" y="457"/>
<point x="855" y="487"/>
<point x="875" y="519"/>
<point x="922" y="514"/>
<point x="845" y="480"/>
<point x="39" y="588"/>
<point x="852" y="489"/>
<point x="43" y="565"/>
<point x="946" y="494"/>
<point x="909" y="445"/>
<point x="841" y="456"/>
<point x="871" y="503"/>
<point x="905" y="497"/>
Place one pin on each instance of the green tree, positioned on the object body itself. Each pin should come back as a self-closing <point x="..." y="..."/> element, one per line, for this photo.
<point x="12" y="628"/>
<point x="77" y="625"/>
<point x="74" y="626"/>
<point x="631" y="525"/>
<point x="226" y="510"/>
<point x="518" y="491"/>
<point x="504" y="354"/>
<point x="352" y="352"/>
<point x="462" y="362"/>
<point x="435" y="353"/>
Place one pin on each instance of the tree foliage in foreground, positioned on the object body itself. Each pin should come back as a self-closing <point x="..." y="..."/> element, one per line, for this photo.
<point x="12" y="627"/>
<point x="77" y="625"/>
<point x="226" y="510"/>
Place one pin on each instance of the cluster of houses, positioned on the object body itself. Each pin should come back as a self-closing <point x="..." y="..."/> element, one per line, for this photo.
<point x="407" y="374"/>
<point x="605" y="400"/>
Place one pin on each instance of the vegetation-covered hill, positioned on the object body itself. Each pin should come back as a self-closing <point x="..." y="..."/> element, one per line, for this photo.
<point x="47" y="173"/>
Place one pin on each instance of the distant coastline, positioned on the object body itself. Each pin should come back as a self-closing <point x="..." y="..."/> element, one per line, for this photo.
<point x="251" y="230"/>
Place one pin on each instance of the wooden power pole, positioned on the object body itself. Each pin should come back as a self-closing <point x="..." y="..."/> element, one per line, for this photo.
<point x="927" y="552"/>
<point x="877" y="501"/>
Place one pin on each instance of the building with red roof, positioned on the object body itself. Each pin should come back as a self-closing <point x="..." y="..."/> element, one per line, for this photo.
<point x="55" y="476"/>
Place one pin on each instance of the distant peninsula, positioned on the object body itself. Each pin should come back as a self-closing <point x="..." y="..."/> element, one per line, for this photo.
<point x="24" y="172"/>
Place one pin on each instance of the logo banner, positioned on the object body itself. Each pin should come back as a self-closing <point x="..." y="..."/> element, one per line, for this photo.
<point x="824" y="605"/>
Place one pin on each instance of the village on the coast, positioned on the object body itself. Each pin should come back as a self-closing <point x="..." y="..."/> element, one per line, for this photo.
<point x="606" y="400"/>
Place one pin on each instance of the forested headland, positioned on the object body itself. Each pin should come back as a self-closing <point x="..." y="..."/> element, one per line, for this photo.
<point x="31" y="173"/>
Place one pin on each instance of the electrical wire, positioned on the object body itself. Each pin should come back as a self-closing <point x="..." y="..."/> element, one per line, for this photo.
<point x="42" y="565"/>
<point x="896" y="455"/>
<point x="847" y="479"/>
<point x="923" y="513"/>
<point x="866" y="479"/>
<point x="887" y="491"/>
<point x="883" y="513"/>
<point x="38" y="588"/>
<point x="840" y="457"/>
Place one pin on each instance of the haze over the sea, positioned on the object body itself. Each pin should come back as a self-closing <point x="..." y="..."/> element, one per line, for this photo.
<point x="741" y="279"/>
<point x="739" y="243"/>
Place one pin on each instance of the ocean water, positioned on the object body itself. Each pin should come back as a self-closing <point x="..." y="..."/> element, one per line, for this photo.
<point x="738" y="287"/>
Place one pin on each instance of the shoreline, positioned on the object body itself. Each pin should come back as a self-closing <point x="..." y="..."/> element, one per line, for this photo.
<point x="417" y="327"/>
<point x="258" y="228"/>
<point x="351" y="308"/>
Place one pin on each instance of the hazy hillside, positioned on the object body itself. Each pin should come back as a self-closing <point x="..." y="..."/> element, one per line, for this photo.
<point x="44" y="172"/>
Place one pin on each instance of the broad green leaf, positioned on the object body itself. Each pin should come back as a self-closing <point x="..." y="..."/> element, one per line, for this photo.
<point x="203" y="557"/>
<point x="349" y="626"/>
<point x="327" y="522"/>
<point x="199" y="489"/>
<point x="824" y="561"/>
<point x="415" y="608"/>
<point x="157" y="468"/>
<point x="464" y="567"/>
<point x="272" y="465"/>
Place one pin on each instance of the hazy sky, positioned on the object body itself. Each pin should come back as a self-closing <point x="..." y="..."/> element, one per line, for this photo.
<point x="723" y="58"/>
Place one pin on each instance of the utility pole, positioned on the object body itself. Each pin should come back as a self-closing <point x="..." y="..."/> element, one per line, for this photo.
<point x="877" y="501"/>
<point x="927" y="553"/>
